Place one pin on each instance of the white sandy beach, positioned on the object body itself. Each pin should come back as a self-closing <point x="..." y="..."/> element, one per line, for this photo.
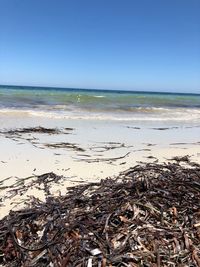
<point x="103" y="143"/>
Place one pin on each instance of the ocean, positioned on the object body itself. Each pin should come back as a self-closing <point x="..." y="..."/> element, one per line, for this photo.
<point x="100" y="104"/>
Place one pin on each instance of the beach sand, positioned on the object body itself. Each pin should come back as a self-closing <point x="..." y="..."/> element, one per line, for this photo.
<point x="95" y="149"/>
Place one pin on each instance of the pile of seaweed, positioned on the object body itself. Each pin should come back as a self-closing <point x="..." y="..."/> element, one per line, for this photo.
<point x="147" y="216"/>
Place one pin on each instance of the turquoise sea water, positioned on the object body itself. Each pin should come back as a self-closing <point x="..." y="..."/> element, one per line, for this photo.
<point x="99" y="104"/>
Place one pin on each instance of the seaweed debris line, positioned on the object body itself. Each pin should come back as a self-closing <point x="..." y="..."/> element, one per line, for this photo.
<point x="147" y="216"/>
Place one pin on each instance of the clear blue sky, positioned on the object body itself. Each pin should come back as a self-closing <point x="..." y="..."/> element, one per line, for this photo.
<point x="113" y="44"/>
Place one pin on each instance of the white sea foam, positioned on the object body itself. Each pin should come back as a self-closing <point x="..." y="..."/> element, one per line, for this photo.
<point x="99" y="96"/>
<point x="153" y="114"/>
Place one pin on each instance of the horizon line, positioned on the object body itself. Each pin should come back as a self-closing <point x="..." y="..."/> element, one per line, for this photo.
<point x="99" y="89"/>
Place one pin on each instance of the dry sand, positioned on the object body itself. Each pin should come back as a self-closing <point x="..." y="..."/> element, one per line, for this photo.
<point x="27" y="154"/>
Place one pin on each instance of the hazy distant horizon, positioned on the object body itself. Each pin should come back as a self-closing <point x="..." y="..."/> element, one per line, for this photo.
<point x="102" y="89"/>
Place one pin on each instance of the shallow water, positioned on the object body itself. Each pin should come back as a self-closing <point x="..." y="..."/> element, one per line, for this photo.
<point x="100" y="104"/>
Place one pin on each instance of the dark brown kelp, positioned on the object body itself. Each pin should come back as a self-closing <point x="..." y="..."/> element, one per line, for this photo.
<point x="29" y="130"/>
<point x="148" y="216"/>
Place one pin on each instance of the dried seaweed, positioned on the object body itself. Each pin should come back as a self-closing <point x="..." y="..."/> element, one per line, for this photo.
<point x="22" y="185"/>
<point x="147" y="216"/>
<point x="164" y="128"/>
<point x="65" y="145"/>
<point x="181" y="159"/>
<point x="38" y="129"/>
<point x="90" y="160"/>
<point x="108" y="146"/>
